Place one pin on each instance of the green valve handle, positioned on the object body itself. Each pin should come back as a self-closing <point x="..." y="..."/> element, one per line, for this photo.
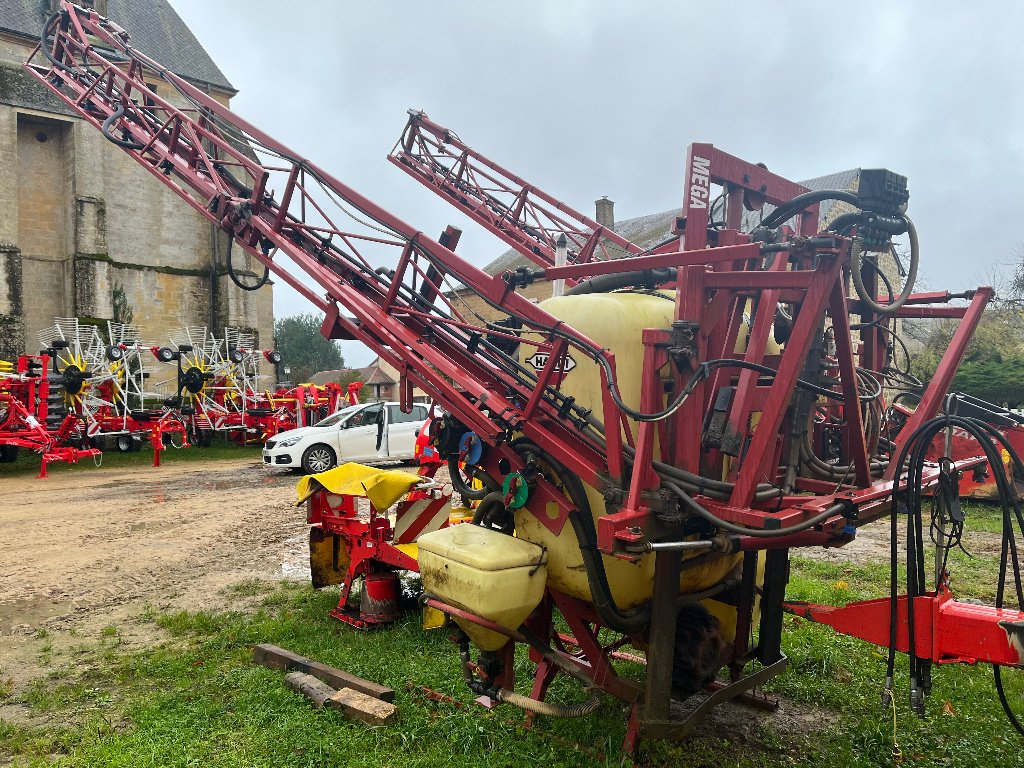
<point x="515" y="490"/>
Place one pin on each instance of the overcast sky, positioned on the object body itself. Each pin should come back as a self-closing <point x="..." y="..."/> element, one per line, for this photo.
<point x="585" y="98"/>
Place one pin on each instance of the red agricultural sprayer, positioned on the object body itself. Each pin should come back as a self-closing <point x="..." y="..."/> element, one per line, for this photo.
<point x="692" y="413"/>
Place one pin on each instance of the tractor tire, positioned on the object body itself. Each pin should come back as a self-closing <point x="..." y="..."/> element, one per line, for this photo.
<point x="123" y="443"/>
<point x="204" y="438"/>
<point x="318" y="458"/>
<point x="8" y="454"/>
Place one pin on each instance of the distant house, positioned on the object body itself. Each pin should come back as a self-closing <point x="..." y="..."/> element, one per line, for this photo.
<point x="380" y="381"/>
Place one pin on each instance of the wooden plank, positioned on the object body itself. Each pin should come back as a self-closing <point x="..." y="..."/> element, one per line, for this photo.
<point x="352" y="703"/>
<point x="315" y="690"/>
<point x="274" y="657"/>
<point x="366" y="709"/>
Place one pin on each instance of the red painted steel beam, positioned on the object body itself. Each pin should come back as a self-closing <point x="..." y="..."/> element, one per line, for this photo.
<point x="656" y="261"/>
<point x="931" y="401"/>
<point x="945" y="631"/>
<point x="525" y="217"/>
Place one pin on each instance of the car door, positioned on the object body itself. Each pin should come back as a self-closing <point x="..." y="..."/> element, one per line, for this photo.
<point x="401" y="431"/>
<point x="357" y="439"/>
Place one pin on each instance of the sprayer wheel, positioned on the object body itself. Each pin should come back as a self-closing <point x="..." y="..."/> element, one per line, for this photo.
<point x="698" y="651"/>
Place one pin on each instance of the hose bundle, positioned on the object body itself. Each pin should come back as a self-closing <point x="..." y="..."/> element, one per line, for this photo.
<point x="908" y="500"/>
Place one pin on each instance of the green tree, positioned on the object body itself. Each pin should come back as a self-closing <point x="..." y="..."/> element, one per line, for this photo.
<point x="993" y="364"/>
<point x="303" y="349"/>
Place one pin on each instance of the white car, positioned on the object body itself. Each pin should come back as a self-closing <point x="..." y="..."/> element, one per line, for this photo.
<point x="367" y="433"/>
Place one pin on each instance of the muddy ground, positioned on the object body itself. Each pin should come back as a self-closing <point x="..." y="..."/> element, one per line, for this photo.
<point x="86" y="549"/>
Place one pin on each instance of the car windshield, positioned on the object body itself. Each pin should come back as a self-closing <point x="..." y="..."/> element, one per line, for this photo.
<point x="335" y="418"/>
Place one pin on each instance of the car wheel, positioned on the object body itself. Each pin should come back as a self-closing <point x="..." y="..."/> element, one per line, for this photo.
<point x="318" y="458"/>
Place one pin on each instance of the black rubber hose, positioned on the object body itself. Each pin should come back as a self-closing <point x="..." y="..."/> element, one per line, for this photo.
<point x="908" y="284"/>
<point x="44" y="47"/>
<point x="474" y="494"/>
<point x="792" y="207"/>
<point x="646" y="278"/>
<point x="116" y="115"/>
<point x="234" y="275"/>
<point x="627" y="621"/>
<point x="916" y="446"/>
<point x="764" y="533"/>
<point x="491" y="503"/>
<point x="232" y="180"/>
<point x="845" y="221"/>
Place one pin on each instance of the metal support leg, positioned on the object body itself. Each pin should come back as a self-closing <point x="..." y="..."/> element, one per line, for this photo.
<point x="776" y="576"/>
<point x="661" y="645"/>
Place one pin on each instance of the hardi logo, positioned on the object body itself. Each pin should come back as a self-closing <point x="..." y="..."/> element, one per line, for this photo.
<point x="539" y="359"/>
<point x="700" y="183"/>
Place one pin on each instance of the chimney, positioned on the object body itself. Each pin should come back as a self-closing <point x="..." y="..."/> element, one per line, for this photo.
<point x="605" y="212"/>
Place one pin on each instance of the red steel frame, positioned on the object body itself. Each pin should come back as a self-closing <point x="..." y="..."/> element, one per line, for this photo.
<point x="525" y="217"/>
<point x="371" y="540"/>
<point x="405" y="317"/>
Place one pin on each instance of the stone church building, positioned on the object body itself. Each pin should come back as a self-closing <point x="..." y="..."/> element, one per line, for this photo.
<point x="86" y="232"/>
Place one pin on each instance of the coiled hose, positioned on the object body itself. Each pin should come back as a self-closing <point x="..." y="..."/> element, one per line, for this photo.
<point x="908" y="284"/>
<point x="474" y="473"/>
<point x="549" y="708"/>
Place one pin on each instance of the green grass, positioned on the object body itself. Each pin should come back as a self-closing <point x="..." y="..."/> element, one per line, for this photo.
<point x="28" y="463"/>
<point x="965" y="725"/>
<point x="195" y="699"/>
<point x="983" y="516"/>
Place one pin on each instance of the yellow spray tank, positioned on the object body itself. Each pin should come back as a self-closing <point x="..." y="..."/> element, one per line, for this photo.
<point x="615" y="321"/>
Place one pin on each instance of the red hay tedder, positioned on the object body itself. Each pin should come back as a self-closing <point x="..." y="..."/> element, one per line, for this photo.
<point x="664" y="451"/>
<point x="83" y="394"/>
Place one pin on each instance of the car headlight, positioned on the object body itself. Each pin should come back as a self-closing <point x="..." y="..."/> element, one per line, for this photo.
<point x="288" y="442"/>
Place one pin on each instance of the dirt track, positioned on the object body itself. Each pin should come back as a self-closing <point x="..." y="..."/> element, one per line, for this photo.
<point x="84" y="549"/>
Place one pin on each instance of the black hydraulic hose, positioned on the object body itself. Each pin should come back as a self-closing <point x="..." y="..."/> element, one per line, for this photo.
<point x="845" y="221"/>
<point x="916" y="446"/>
<point x="646" y="278"/>
<point x="627" y="621"/>
<point x="474" y="494"/>
<point x="1009" y="542"/>
<point x="698" y="484"/>
<point x="703" y="486"/>
<point x="764" y="533"/>
<point x="492" y="505"/>
<point x="832" y="471"/>
<point x="116" y="115"/>
<point x="888" y="287"/>
<point x="792" y="207"/>
<point x="233" y="180"/>
<point x="908" y="284"/>
<point x="45" y="48"/>
<point x="234" y="275"/>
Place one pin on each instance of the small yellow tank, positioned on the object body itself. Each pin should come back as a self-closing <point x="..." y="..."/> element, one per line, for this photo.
<point x="485" y="572"/>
